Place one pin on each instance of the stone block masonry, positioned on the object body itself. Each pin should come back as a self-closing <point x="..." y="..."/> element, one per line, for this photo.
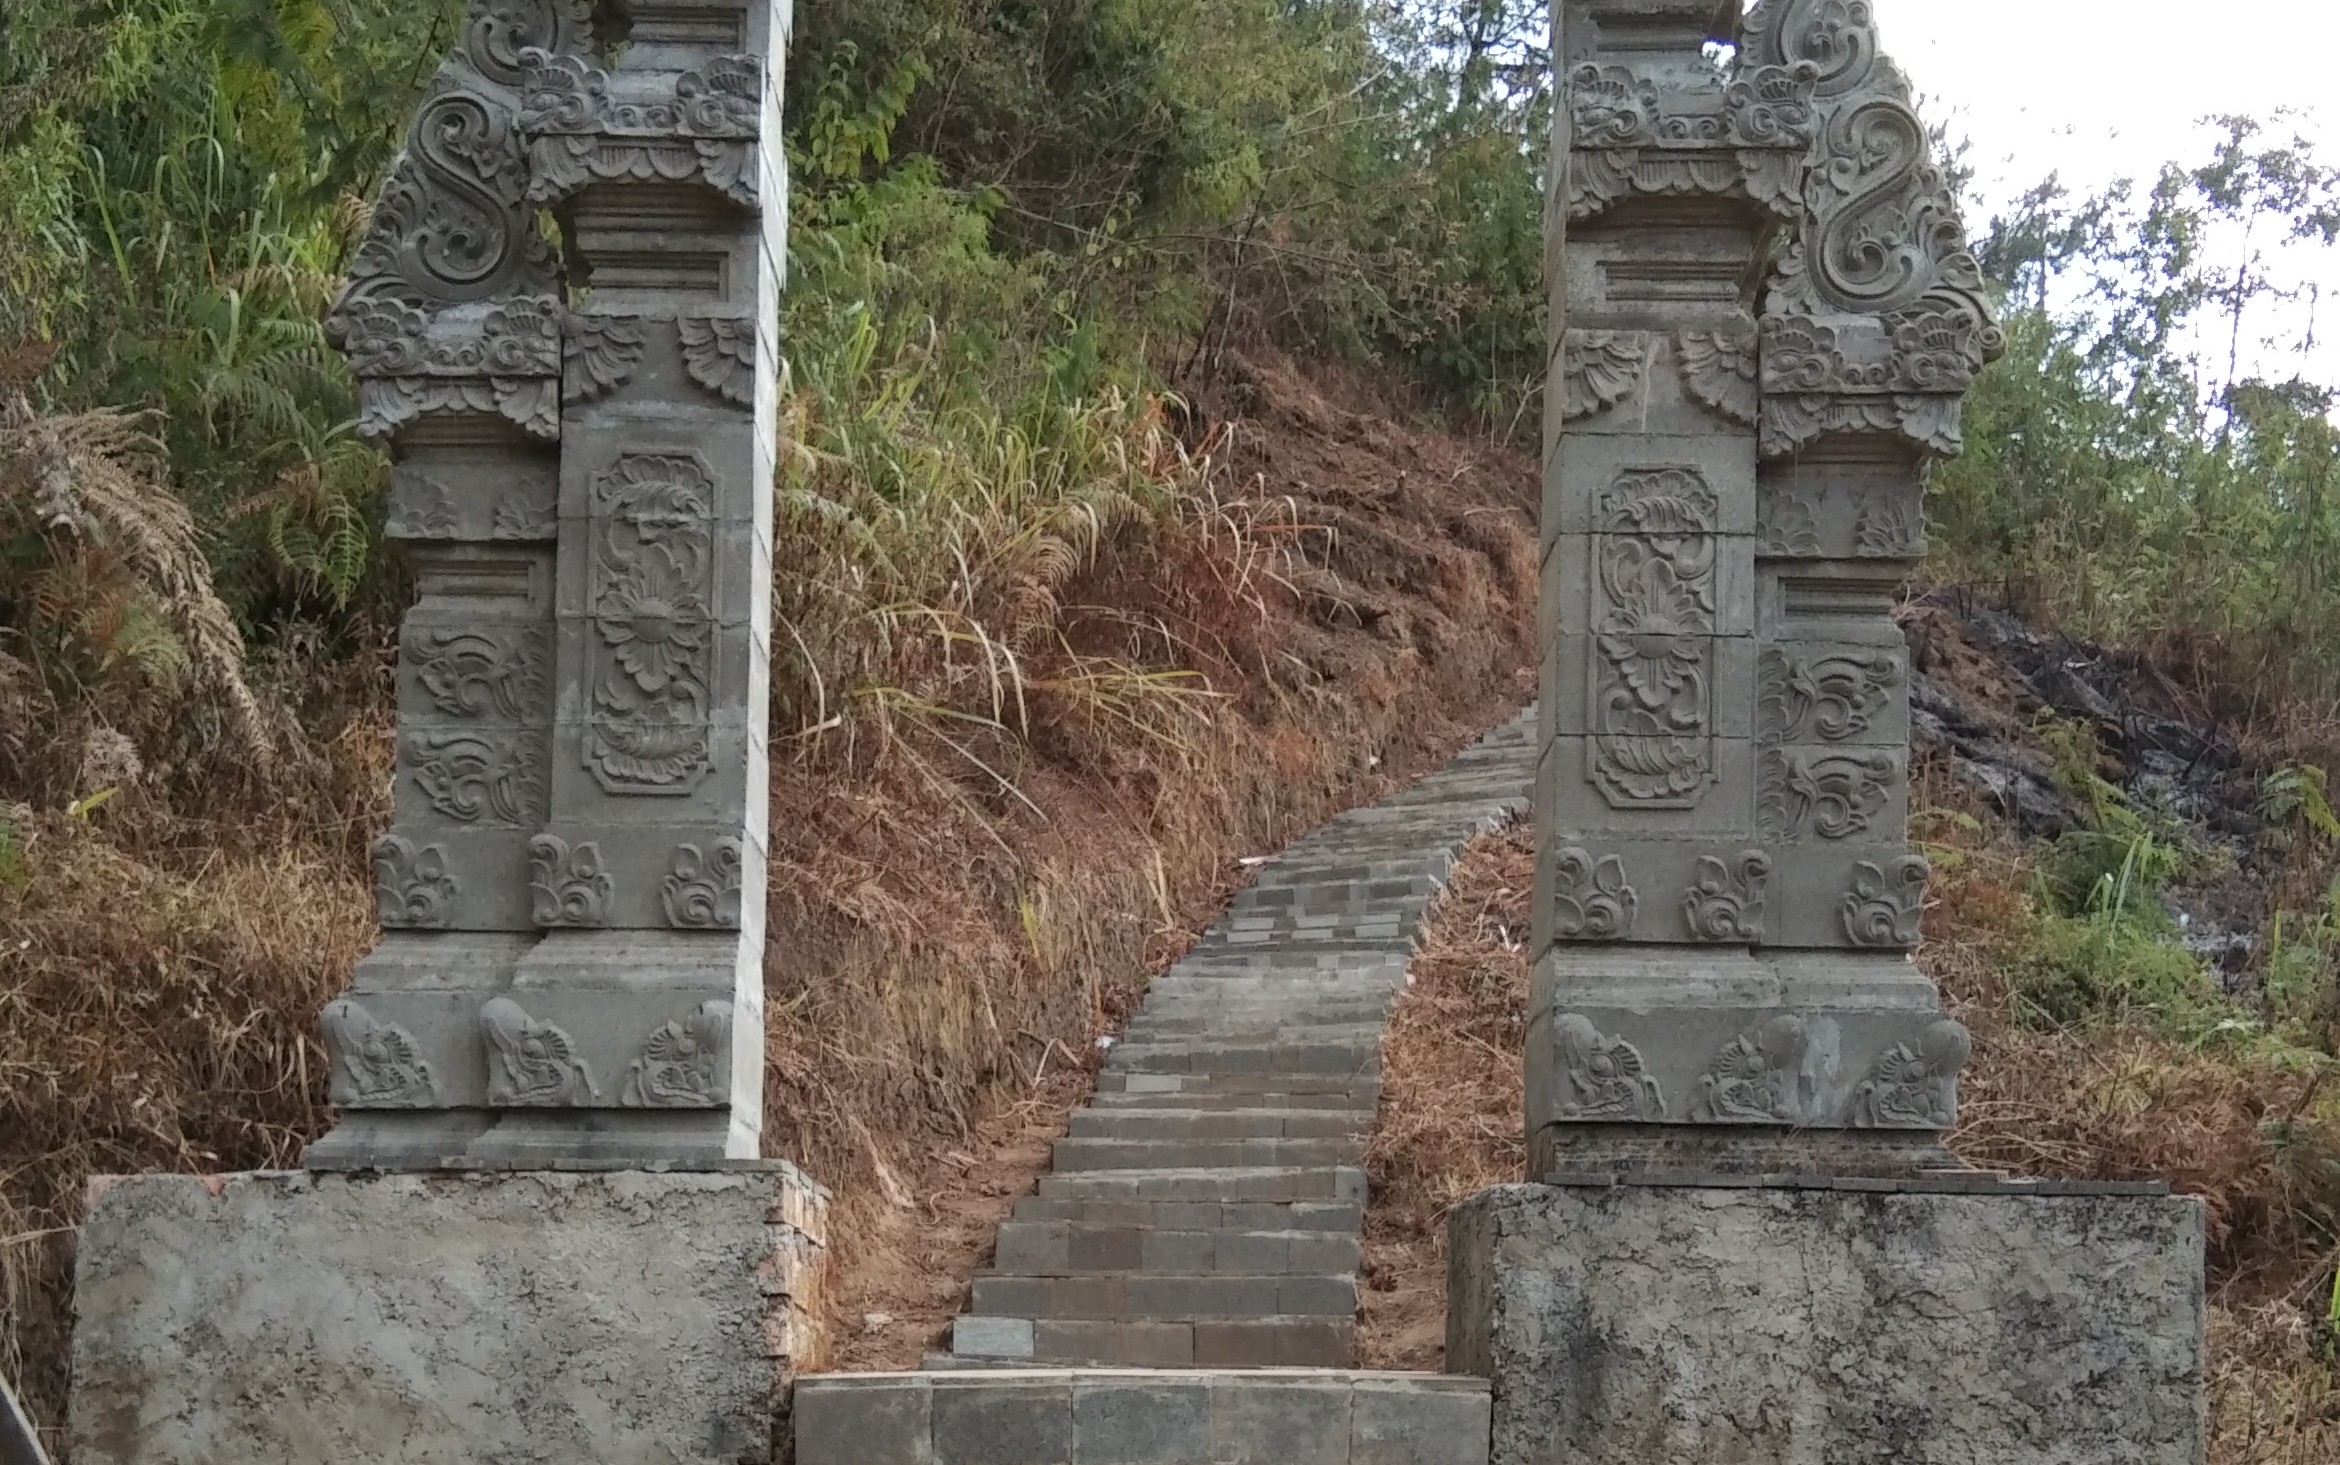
<point x="1787" y="1324"/>
<point x="1142" y="1417"/>
<point x="291" y="1319"/>
<point x="1206" y="1209"/>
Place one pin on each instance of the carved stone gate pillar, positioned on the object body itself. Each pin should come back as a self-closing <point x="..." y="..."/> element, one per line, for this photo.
<point x="1726" y="897"/>
<point x="572" y="898"/>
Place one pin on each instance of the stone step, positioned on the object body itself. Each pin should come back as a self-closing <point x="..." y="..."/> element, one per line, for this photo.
<point x="1301" y="964"/>
<point x="1189" y="1022"/>
<point x="1357" y="1086"/>
<point x="1277" y="1058"/>
<point x="1073" y="1156"/>
<point x="1332" y="895"/>
<point x="1345" y="1217"/>
<point x="1282" y="1030"/>
<point x="1164" y="1296"/>
<point x="1285" y="1342"/>
<point x="1194" y="1124"/>
<point x="1140" y="1417"/>
<point x="1063" y="1248"/>
<point x="1343" y="1102"/>
<point x="1248" y="1183"/>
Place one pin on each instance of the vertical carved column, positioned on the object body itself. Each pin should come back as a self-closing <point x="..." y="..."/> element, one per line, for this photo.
<point x="572" y="897"/>
<point x="452" y="324"/>
<point x="664" y="167"/>
<point x="1725" y="893"/>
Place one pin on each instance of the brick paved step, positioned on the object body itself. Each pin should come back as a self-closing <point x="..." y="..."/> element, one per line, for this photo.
<point x="1361" y="1087"/>
<point x="1361" y="1104"/>
<point x="1306" y="1342"/>
<point x="1277" y="1058"/>
<point x="1247" y="1183"/>
<point x="1064" y="1248"/>
<point x="1264" y="1030"/>
<point x="1293" y="1217"/>
<point x="1248" y="1123"/>
<point x="1074" y="1156"/>
<point x="1044" y="1416"/>
<point x="1164" y="1296"/>
<point x="1189" y="1020"/>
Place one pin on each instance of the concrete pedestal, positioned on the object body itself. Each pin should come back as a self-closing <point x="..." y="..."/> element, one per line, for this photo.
<point x="613" y="1318"/>
<point x="1832" y="1323"/>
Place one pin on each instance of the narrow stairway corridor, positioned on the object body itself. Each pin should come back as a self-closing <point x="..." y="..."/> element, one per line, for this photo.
<point x="1183" y="1286"/>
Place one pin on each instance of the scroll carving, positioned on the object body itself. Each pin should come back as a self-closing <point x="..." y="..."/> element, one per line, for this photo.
<point x="490" y="780"/>
<point x="1875" y="320"/>
<point x="1719" y="370"/>
<point x="586" y="125"/>
<point x="480" y="673"/>
<point x="413" y="888"/>
<point x="719" y="352"/>
<point x="1591" y="900"/>
<point x="601" y="352"/>
<point x="1599" y="369"/>
<point x="572" y="886"/>
<point x="1786" y="527"/>
<point x="1633" y="133"/>
<point x="1652" y="692"/>
<point x="1777" y="1074"/>
<point x="375" y="1064"/>
<point x="1833" y="797"/>
<point x="1915" y="1085"/>
<point x="532" y="1064"/>
<point x="685" y="1065"/>
<point x="703" y="891"/>
<point x="652" y="582"/>
<point x="453" y="299"/>
<point x="1727" y="902"/>
<point x="1892" y="525"/>
<point x="1887" y="903"/>
<point x="1831" y="698"/>
<point x="1603" y="1077"/>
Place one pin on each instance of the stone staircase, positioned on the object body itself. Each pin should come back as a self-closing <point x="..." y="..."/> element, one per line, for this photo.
<point x="1183" y="1286"/>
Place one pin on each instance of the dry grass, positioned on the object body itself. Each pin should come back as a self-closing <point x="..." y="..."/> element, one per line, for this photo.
<point x="2119" y="1105"/>
<point x="154" y="1015"/>
<point x="945" y="942"/>
<point x="1453" y="1115"/>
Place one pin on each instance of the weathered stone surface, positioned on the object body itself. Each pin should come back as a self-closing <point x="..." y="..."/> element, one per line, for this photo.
<point x="1764" y="318"/>
<point x="1675" y="1325"/>
<point x="1137" y="1416"/>
<point x="616" y="1318"/>
<point x="583" y="478"/>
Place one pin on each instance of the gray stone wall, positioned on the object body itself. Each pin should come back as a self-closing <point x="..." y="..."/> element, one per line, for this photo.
<point x="581" y="1318"/>
<point x="1764" y="318"/>
<point x="1677" y="1325"/>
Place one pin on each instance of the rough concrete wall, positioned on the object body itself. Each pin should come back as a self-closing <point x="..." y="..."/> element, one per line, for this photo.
<point x="1683" y="1326"/>
<point x="507" y="1318"/>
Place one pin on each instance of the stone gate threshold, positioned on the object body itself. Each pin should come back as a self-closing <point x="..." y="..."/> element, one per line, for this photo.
<point x="1097" y="1416"/>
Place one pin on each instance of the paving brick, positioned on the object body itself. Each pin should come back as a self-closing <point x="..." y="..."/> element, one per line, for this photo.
<point x="1141" y="1422"/>
<point x="1288" y="1423"/>
<point x="841" y="1421"/>
<point x="1419" y="1422"/>
<point x="977" y="1422"/>
<point x="991" y="1337"/>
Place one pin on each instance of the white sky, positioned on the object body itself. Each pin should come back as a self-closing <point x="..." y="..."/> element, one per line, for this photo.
<point x="2102" y="89"/>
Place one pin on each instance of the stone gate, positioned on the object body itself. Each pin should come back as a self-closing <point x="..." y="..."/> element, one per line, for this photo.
<point x="543" y="1230"/>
